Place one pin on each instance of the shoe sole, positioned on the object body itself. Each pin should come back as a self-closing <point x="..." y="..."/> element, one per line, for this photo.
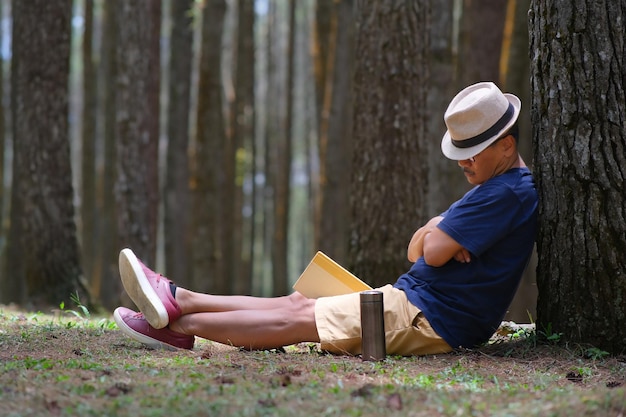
<point x="139" y="337"/>
<point x="140" y="291"/>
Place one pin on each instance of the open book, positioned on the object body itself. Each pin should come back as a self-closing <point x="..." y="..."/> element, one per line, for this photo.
<point x="324" y="277"/>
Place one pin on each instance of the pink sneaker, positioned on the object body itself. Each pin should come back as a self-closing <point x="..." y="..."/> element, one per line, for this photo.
<point x="149" y="291"/>
<point x="136" y="326"/>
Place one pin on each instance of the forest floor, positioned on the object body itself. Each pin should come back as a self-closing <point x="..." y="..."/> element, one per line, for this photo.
<point x="67" y="363"/>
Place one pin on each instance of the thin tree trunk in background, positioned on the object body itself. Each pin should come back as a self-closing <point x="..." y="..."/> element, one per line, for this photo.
<point x="478" y="59"/>
<point x="336" y="134"/>
<point x="207" y="174"/>
<point x="271" y="134"/>
<point x="302" y="225"/>
<point x="389" y="182"/>
<point x="445" y="181"/>
<point x="283" y="173"/>
<point x="177" y="205"/>
<point x="242" y="133"/>
<point x="43" y="253"/>
<point x="479" y="46"/>
<point x="10" y="289"/>
<point x="230" y="189"/>
<point x="580" y="158"/>
<point x="110" y="286"/>
<point x="515" y="69"/>
<point x="137" y="125"/>
<point x="2" y="148"/>
<point x="325" y="38"/>
<point x="480" y="38"/>
<point x="257" y="247"/>
<point x="88" y="172"/>
<point x="325" y="28"/>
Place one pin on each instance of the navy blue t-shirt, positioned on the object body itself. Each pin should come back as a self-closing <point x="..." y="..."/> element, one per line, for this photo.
<point x="496" y="222"/>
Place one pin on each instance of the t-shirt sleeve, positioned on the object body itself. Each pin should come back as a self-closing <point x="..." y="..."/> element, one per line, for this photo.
<point x="481" y="218"/>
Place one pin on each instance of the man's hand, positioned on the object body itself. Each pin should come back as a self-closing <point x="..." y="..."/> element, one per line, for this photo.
<point x="462" y="256"/>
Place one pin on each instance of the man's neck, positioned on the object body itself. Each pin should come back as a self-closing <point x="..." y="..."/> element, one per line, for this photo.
<point x="519" y="162"/>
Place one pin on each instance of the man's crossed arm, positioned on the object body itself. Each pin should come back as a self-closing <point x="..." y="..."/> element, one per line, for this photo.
<point x="436" y="246"/>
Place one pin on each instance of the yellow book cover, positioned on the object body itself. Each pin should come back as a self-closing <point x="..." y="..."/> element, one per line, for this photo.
<point x="324" y="277"/>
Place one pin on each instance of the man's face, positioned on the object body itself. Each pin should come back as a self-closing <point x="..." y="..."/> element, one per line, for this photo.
<point x="485" y="165"/>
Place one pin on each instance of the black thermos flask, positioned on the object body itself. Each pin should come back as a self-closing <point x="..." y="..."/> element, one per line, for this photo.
<point x="372" y="326"/>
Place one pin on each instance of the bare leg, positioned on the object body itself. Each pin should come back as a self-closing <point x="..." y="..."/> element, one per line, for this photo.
<point x="264" y="324"/>
<point x="193" y="302"/>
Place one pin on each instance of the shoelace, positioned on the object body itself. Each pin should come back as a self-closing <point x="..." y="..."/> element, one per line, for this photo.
<point x="147" y="271"/>
<point x="159" y="277"/>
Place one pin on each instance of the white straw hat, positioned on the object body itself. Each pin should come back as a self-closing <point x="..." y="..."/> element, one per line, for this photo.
<point x="475" y="118"/>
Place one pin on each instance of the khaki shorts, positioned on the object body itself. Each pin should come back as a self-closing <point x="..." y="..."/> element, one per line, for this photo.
<point x="407" y="332"/>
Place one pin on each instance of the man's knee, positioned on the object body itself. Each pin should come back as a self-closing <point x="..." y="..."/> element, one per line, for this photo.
<point x="300" y="303"/>
<point x="303" y="316"/>
<point x="302" y="312"/>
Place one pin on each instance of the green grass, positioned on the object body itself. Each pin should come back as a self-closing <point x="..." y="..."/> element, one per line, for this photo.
<point x="78" y="364"/>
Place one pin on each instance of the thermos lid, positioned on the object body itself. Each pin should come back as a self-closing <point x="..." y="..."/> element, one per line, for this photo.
<point x="371" y="296"/>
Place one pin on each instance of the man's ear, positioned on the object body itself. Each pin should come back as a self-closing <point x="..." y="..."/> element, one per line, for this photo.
<point x="508" y="145"/>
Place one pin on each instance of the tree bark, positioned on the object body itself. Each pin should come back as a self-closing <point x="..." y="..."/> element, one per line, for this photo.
<point x="390" y="175"/>
<point x="43" y="263"/>
<point x="578" y="112"/>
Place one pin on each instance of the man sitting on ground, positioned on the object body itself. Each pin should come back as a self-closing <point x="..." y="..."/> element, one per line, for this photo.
<point x="468" y="262"/>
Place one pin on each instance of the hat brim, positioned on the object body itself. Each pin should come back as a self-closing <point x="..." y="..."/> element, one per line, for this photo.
<point x="458" y="154"/>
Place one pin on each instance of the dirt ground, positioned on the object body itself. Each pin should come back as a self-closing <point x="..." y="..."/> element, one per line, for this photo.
<point x="56" y="366"/>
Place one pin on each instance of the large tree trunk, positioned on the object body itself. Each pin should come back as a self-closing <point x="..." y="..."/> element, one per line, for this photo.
<point x="389" y="181"/>
<point x="578" y="114"/>
<point x="43" y="262"/>
<point x="137" y="125"/>
<point x="176" y="193"/>
<point x="207" y="174"/>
